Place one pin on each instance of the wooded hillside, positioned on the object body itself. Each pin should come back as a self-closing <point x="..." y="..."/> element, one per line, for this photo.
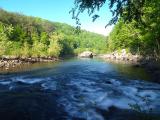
<point x="26" y="36"/>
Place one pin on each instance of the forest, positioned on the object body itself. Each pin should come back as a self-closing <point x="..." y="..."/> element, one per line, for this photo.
<point x="26" y="36"/>
<point x="137" y="24"/>
<point x="138" y="37"/>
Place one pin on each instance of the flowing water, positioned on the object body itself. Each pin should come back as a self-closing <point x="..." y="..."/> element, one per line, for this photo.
<point x="75" y="89"/>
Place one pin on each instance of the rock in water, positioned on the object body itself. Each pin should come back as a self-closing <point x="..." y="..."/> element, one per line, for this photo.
<point x="86" y="54"/>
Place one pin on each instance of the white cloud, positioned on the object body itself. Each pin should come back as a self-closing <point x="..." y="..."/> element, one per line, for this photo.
<point x="100" y="29"/>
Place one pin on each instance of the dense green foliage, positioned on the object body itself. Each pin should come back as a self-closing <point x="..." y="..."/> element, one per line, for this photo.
<point x="34" y="37"/>
<point x="139" y="38"/>
<point x="138" y="27"/>
<point x="25" y="36"/>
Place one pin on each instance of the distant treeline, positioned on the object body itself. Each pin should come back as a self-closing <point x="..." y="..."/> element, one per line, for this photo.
<point x="25" y="36"/>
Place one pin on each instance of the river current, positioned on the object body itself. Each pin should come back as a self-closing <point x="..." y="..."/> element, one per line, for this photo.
<point x="75" y="89"/>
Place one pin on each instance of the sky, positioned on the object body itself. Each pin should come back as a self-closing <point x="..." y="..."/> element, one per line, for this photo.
<point x="58" y="11"/>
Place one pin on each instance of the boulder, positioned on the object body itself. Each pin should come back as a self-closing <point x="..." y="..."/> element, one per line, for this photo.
<point x="2" y="64"/>
<point x="86" y="54"/>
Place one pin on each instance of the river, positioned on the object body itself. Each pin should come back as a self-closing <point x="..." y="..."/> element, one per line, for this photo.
<point x="76" y="89"/>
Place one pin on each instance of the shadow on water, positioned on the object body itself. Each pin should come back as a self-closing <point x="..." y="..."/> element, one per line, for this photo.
<point x="132" y="72"/>
<point x="30" y="105"/>
<point x="29" y="67"/>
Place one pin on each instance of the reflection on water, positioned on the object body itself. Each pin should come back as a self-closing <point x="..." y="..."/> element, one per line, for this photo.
<point x="75" y="89"/>
<point x="29" y="67"/>
<point x="132" y="72"/>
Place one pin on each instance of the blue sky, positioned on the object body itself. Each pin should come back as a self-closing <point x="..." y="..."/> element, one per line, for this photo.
<point x="58" y="10"/>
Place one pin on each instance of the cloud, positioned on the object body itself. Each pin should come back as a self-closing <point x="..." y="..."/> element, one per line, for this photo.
<point x="100" y="29"/>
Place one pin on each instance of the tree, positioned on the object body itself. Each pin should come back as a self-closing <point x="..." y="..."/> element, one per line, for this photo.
<point x="25" y="36"/>
<point x="139" y="38"/>
<point x="55" y="46"/>
<point x="128" y="9"/>
<point x="44" y="38"/>
<point x="5" y="31"/>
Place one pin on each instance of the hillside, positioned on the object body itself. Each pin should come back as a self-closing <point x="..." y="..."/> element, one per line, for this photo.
<point x="26" y="36"/>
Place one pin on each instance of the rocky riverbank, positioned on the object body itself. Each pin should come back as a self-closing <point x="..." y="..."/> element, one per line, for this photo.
<point x="121" y="56"/>
<point x="151" y="64"/>
<point x="11" y="62"/>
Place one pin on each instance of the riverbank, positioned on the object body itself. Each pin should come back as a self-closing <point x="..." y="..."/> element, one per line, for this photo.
<point x="11" y="62"/>
<point x="151" y="64"/>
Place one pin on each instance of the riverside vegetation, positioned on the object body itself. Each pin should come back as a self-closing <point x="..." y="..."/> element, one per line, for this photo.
<point x="137" y="26"/>
<point x="31" y="39"/>
<point x="24" y="36"/>
<point x="140" y="37"/>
